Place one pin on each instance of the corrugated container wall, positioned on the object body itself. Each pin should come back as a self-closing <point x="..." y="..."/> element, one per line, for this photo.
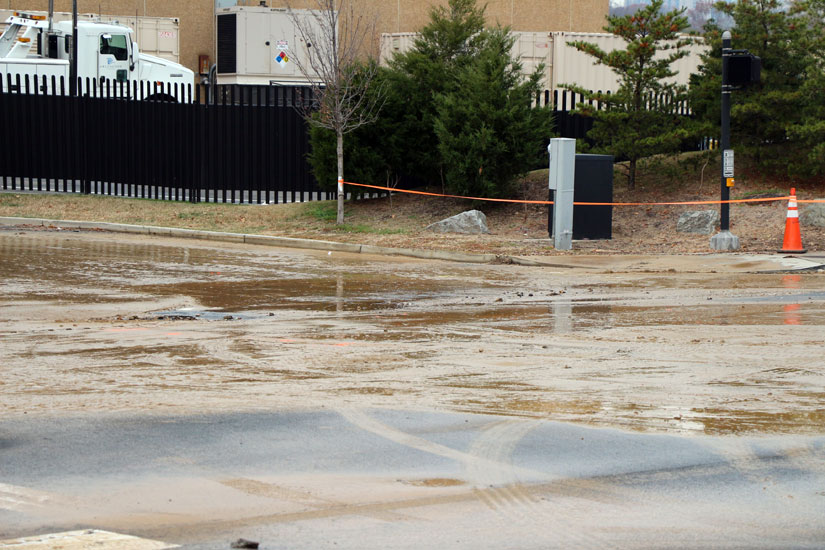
<point x="158" y="36"/>
<point x="564" y="64"/>
<point x="570" y="66"/>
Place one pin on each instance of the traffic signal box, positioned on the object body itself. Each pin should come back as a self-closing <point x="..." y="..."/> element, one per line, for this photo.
<point x="743" y="68"/>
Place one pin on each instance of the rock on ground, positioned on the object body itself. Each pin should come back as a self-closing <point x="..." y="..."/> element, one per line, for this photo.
<point x="812" y="215"/>
<point x="472" y="222"/>
<point x="702" y="222"/>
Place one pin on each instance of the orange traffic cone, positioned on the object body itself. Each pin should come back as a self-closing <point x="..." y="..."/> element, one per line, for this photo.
<point x="793" y="239"/>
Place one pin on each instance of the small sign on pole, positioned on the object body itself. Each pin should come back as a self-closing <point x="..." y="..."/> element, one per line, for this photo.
<point x="727" y="163"/>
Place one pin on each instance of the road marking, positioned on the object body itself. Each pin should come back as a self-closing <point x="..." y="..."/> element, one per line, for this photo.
<point x="85" y="540"/>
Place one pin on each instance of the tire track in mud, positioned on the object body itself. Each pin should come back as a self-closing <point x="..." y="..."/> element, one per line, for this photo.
<point x="753" y="466"/>
<point x="506" y="495"/>
<point x="490" y="468"/>
<point x="370" y="424"/>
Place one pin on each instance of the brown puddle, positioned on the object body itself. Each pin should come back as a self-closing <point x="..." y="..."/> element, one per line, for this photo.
<point x="729" y="422"/>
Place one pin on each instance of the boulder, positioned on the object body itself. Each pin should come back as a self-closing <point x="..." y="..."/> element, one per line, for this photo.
<point x="702" y="222"/>
<point x="472" y="222"/>
<point x="812" y="215"/>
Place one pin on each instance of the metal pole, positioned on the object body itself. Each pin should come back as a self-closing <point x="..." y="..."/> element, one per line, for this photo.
<point x="51" y="16"/>
<point x="73" y="59"/>
<point x="725" y="240"/>
<point x="724" y="213"/>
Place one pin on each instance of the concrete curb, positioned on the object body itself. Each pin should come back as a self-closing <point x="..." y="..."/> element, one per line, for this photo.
<point x="791" y="264"/>
<point x="265" y="240"/>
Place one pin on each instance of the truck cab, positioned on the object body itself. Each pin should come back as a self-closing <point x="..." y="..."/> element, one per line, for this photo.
<point x="114" y="56"/>
<point x="105" y="53"/>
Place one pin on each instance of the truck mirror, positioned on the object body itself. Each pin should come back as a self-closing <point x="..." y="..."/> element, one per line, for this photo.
<point x="135" y="56"/>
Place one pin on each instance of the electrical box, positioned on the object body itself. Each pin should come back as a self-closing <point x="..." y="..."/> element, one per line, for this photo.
<point x="258" y="45"/>
<point x="593" y="183"/>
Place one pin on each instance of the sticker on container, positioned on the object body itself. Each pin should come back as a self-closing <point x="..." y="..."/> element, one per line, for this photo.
<point x="282" y="45"/>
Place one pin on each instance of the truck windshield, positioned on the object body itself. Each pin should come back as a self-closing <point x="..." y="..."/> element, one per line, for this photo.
<point x="115" y="45"/>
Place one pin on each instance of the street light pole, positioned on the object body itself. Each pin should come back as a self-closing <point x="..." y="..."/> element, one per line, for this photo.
<point x="725" y="240"/>
<point x="725" y="142"/>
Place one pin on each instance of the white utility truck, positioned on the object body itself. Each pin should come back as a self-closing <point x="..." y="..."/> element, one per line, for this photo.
<point x="33" y="46"/>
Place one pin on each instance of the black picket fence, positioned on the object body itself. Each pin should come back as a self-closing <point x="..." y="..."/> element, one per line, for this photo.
<point x="248" y="148"/>
<point x="571" y="125"/>
<point x="239" y="144"/>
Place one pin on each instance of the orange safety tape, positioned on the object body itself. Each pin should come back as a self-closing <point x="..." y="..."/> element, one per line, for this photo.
<point x="440" y="195"/>
<point x="732" y="201"/>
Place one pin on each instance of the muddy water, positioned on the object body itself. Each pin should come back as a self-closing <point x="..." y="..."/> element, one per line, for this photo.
<point x="100" y="322"/>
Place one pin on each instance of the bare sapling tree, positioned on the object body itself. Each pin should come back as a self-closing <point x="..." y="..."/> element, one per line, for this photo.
<point x="336" y="39"/>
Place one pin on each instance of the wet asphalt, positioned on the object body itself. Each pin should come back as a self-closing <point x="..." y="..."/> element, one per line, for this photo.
<point x="330" y="472"/>
<point x="457" y="481"/>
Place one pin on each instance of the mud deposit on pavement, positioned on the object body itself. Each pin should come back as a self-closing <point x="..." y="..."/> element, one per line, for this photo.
<point x="115" y="323"/>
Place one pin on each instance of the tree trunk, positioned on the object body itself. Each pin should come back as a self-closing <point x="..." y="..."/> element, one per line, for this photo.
<point x="340" y="137"/>
<point x="631" y="175"/>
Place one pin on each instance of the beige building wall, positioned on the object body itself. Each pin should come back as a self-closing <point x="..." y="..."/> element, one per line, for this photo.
<point x="520" y="15"/>
<point x="197" y="21"/>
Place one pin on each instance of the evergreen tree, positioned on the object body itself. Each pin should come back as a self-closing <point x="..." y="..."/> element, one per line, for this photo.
<point x="445" y="45"/>
<point x="808" y="24"/>
<point x="488" y="132"/>
<point x="402" y="140"/>
<point x="760" y="113"/>
<point x="640" y="119"/>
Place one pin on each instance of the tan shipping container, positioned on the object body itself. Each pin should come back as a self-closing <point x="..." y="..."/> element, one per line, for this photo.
<point x="564" y="64"/>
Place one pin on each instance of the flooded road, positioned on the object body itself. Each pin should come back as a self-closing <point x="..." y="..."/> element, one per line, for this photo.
<point x="114" y="323"/>
<point x="195" y="393"/>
